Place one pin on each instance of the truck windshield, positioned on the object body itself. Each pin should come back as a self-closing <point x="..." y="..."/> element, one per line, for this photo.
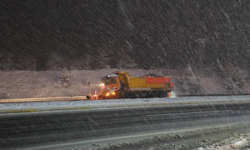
<point x="112" y="81"/>
<point x="105" y="80"/>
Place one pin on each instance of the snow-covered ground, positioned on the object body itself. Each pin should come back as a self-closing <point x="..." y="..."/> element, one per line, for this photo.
<point x="36" y="84"/>
<point x="236" y="142"/>
<point x="31" y="84"/>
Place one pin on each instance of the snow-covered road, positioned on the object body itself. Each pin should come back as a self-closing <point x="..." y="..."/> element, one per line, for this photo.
<point x="149" y="126"/>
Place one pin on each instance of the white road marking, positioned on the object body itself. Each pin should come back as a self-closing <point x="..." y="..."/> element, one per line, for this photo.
<point x="187" y="113"/>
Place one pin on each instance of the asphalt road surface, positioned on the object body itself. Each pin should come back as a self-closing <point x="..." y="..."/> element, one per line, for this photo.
<point x="53" y="130"/>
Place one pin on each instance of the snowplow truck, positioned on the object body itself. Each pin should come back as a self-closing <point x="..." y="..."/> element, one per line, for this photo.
<point x="121" y="85"/>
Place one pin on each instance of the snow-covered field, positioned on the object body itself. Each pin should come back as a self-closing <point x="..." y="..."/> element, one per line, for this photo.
<point x="34" y="84"/>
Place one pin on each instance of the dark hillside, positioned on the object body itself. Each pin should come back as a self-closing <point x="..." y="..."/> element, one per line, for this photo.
<point x="94" y="34"/>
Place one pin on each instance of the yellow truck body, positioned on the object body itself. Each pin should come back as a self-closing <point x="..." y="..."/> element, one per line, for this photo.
<point x="140" y="83"/>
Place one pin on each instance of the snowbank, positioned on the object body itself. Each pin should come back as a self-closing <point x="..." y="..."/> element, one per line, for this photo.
<point x="117" y="103"/>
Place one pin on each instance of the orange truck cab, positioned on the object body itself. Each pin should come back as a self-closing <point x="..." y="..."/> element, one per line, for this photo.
<point x="110" y="87"/>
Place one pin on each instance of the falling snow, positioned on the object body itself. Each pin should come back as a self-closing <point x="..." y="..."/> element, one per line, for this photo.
<point x="63" y="48"/>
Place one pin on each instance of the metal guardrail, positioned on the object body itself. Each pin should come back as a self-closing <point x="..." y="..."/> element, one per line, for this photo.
<point x="191" y="95"/>
<point x="74" y="98"/>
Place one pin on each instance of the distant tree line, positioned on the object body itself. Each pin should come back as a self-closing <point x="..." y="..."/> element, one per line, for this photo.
<point x="102" y="60"/>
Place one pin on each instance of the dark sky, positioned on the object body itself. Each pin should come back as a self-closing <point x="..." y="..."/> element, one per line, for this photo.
<point x="150" y="33"/>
